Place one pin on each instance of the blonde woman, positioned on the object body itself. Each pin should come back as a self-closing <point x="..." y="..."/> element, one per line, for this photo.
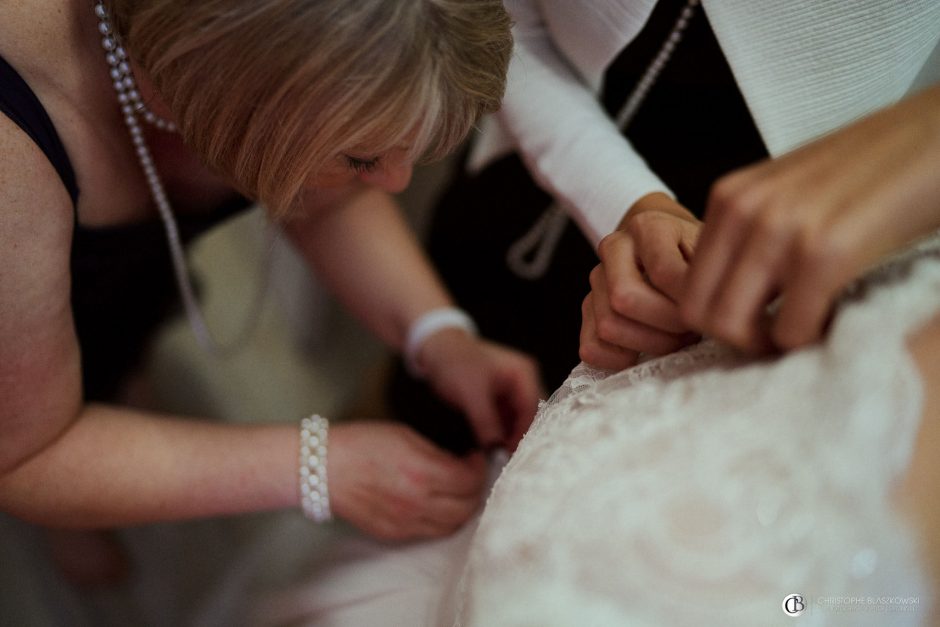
<point x="120" y="111"/>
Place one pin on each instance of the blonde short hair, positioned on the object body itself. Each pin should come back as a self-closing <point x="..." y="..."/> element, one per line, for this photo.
<point x="267" y="92"/>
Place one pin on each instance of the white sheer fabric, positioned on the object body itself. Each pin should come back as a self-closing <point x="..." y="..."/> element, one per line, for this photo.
<point x="702" y="488"/>
<point x="697" y="489"/>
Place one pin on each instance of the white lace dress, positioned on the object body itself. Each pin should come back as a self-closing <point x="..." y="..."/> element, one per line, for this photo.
<point x="703" y="488"/>
<point x="699" y="489"/>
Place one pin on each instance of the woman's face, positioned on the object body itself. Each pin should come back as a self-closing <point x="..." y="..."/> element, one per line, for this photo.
<point x="389" y="171"/>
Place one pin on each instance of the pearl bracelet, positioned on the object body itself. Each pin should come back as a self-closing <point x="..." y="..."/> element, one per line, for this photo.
<point x="427" y="325"/>
<point x="314" y="493"/>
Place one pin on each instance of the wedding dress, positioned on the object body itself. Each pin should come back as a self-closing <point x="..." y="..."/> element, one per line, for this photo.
<point x="701" y="488"/>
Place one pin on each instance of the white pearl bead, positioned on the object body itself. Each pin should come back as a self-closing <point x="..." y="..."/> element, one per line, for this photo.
<point x="100" y="11"/>
<point x="107" y="43"/>
<point x="104" y="27"/>
<point x="112" y="58"/>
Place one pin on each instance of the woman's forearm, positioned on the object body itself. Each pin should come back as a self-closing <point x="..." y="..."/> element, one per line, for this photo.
<point x="116" y="466"/>
<point x="369" y="257"/>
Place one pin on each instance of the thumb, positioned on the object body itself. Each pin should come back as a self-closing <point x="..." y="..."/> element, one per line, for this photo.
<point x="484" y="414"/>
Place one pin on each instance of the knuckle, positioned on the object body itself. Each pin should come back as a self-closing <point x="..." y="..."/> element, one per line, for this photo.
<point x="607" y="329"/>
<point x="730" y="200"/>
<point x="587" y="307"/>
<point x="641" y="221"/>
<point x="772" y="224"/>
<point x="590" y="353"/>
<point x="623" y="299"/>
<point x="610" y="242"/>
<point x="660" y="271"/>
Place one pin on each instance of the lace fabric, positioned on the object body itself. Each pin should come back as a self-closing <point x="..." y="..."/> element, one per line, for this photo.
<point x="703" y="488"/>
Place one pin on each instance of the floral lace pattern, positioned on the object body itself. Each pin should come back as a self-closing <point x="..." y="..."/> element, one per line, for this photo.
<point x="703" y="487"/>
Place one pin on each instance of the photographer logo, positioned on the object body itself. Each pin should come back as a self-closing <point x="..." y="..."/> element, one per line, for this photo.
<point x="793" y="605"/>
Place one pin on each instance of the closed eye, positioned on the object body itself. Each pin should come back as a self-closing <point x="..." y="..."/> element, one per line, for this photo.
<point x="362" y="165"/>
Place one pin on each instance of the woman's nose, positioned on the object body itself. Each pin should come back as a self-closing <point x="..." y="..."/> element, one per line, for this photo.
<point x="392" y="177"/>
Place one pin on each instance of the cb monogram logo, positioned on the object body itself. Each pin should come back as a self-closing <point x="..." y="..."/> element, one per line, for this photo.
<point x="794" y="605"/>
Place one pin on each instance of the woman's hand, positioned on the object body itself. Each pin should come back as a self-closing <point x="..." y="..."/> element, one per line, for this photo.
<point x="632" y="307"/>
<point x="804" y="225"/>
<point x="393" y="484"/>
<point x="496" y="387"/>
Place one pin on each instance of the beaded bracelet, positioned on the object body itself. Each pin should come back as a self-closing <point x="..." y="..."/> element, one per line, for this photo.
<point x="428" y="324"/>
<point x="314" y="493"/>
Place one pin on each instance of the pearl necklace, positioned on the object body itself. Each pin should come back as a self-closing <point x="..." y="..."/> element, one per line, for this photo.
<point x="123" y="77"/>
<point x="530" y="255"/>
<point x="133" y="107"/>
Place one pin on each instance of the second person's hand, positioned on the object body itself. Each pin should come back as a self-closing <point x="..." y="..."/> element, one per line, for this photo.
<point x="393" y="484"/>
<point x="632" y="307"/>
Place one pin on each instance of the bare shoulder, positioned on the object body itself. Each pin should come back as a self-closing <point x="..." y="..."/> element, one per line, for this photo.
<point x="40" y="377"/>
<point x="28" y="29"/>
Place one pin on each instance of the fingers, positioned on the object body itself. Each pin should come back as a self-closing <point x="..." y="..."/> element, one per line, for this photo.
<point x="624" y="287"/>
<point x="810" y="293"/>
<point x="445" y="493"/>
<point x="445" y="514"/>
<point x="483" y="411"/>
<point x="663" y="247"/>
<point x="445" y="474"/>
<point x="594" y="350"/>
<point x="757" y="244"/>
<point x="623" y="329"/>
<point x="394" y="484"/>
<point x="632" y="308"/>
<point x="739" y="313"/>
<point x="726" y="222"/>
<point x="519" y="402"/>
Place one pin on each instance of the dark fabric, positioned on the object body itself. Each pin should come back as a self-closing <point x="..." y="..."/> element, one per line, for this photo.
<point x="693" y="127"/>
<point x="475" y="223"/>
<point x="123" y="286"/>
<point x="20" y="104"/>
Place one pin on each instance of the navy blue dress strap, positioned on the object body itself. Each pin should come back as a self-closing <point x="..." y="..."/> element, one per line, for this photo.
<point x="20" y="104"/>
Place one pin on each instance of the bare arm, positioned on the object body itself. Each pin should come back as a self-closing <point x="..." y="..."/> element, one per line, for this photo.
<point x="361" y="247"/>
<point x="366" y="253"/>
<point x="66" y="463"/>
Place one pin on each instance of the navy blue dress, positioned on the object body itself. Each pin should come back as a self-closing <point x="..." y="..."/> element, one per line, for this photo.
<point x="123" y="286"/>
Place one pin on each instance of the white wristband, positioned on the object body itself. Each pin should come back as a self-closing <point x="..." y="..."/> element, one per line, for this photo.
<point x="427" y="325"/>
<point x="314" y="494"/>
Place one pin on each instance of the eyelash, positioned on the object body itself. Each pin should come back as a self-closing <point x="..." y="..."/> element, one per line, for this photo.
<point x="362" y="165"/>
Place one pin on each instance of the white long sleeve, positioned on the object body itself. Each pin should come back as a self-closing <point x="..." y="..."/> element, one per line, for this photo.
<point x="570" y="145"/>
